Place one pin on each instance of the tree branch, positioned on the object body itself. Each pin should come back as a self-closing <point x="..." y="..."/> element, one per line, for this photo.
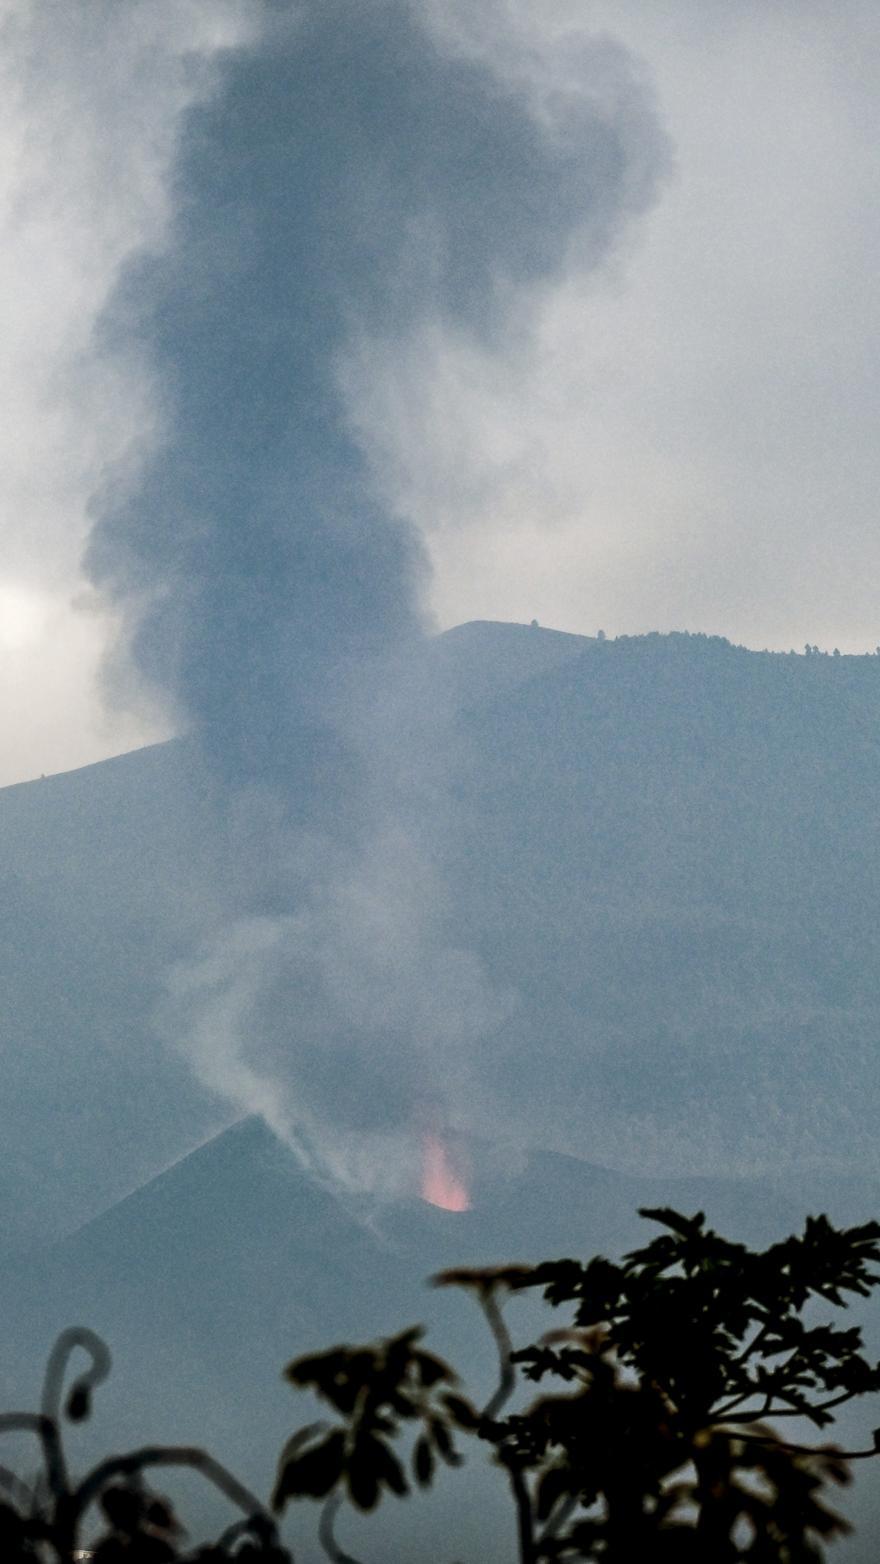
<point x="523" y="1502"/>
<point x="768" y="1410"/>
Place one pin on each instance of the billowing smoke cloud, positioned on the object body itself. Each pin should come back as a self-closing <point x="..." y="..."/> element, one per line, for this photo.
<point x="366" y="170"/>
<point x="352" y="1023"/>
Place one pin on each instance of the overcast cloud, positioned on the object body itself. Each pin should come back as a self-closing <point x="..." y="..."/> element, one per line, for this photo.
<point x="90" y="104"/>
<point x="683" y="437"/>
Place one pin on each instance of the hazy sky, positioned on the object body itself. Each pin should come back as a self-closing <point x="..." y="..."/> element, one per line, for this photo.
<point x="679" y="433"/>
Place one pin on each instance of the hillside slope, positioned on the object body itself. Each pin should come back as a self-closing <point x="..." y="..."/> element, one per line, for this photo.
<point x="663" y="850"/>
<point x="670" y="848"/>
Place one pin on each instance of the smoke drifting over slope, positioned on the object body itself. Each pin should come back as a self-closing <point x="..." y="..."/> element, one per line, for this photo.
<point x="357" y="176"/>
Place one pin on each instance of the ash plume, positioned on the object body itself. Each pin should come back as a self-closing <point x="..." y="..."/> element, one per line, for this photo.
<point x="364" y="169"/>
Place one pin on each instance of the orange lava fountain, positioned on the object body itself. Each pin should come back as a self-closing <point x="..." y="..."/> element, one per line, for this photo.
<point x="440" y="1186"/>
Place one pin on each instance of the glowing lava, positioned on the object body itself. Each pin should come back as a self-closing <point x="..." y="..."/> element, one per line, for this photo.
<point x="440" y="1186"/>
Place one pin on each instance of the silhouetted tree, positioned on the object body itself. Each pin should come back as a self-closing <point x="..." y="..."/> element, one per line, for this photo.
<point x="44" y="1521"/>
<point x="652" y="1438"/>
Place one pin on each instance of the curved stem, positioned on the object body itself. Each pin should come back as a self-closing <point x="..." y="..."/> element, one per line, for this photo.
<point x="46" y="1431"/>
<point x="504" y="1390"/>
<point x="253" y="1527"/>
<point x="326" y="1534"/>
<point x="232" y="1533"/>
<point x="171" y="1455"/>
<point x="53" y="1387"/>
<point x="59" y="1357"/>
<point x="507" y="1373"/>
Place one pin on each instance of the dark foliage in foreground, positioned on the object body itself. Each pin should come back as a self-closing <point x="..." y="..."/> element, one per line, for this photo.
<point x="45" y="1521"/>
<point x="650" y="1437"/>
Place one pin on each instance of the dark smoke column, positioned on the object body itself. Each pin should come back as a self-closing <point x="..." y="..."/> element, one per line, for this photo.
<point x="348" y="177"/>
<point x="351" y="182"/>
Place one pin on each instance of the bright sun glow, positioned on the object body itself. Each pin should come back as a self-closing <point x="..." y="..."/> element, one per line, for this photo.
<point x="24" y="615"/>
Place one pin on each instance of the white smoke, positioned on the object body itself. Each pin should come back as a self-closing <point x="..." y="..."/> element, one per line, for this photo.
<point x="364" y="958"/>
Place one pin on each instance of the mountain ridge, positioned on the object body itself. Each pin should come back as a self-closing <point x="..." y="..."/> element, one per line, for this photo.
<point x="666" y="848"/>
